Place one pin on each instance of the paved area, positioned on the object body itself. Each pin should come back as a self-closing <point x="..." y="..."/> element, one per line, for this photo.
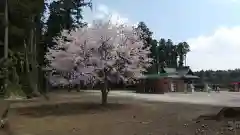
<point x="231" y="99"/>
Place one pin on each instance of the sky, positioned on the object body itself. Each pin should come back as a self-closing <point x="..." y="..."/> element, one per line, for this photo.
<point x="211" y="27"/>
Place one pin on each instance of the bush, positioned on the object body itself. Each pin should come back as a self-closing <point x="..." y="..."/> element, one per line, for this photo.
<point x="14" y="90"/>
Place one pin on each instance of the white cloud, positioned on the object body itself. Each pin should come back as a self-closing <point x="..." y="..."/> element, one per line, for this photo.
<point x="221" y="50"/>
<point x="103" y="9"/>
<point x="103" y="12"/>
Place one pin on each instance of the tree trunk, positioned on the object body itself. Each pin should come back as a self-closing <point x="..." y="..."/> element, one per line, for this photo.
<point x="33" y="61"/>
<point x="104" y="96"/>
<point x="78" y="87"/>
<point x="29" y="89"/>
<point x="181" y="59"/>
<point x="35" y="65"/>
<point x="6" y="31"/>
<point x="105" y="91"/>
<point x="6" y="43"/>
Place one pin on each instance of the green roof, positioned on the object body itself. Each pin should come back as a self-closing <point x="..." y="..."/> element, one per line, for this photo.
<point x="176" y="73"/>
<point x="170" y="70"/>
<point x="168" y="75"/>
<point x="191" y="76"/>
<point x="155" y="76"/>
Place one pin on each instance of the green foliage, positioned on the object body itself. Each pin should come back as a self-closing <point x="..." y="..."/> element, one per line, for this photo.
<point x="3" y="68"/>
<point x="146" y="36"/>
<point x="164" y="52"/>
<point x="182" y="50"/>
<point x="8" y="70"/>
<point x="223" y="77"/>
<point x="64" y="14"/>
<point x="14" y="90"/>
<point x="31" y="33"/>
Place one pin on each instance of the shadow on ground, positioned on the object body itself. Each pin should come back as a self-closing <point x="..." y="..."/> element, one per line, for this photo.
<point x="226" y="113"/>
<point x="65" y="109"/>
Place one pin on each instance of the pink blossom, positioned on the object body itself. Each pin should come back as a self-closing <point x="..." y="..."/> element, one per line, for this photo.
<point x="101" y="51"/>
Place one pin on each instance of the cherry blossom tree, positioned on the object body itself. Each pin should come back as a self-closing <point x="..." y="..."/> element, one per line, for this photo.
<point x="102" y="52"/>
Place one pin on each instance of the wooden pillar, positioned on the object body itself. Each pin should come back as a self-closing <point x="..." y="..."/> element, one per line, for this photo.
<point x="180" y="85"/>
<point x="161" y="86"/>
<point x="236" y="87"/>
<point x="166" y="85"/>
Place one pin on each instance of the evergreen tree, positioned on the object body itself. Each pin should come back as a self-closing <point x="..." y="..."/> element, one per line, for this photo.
<point x="146" y="36"/>
<point x="31" y="34"/>
<point x="162" y="53"/>
<point x="64" y="14"/>
<point x="182" y="50"/>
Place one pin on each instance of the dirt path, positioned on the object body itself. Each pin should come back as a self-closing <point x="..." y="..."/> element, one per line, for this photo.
<point x="80" y="114"/>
